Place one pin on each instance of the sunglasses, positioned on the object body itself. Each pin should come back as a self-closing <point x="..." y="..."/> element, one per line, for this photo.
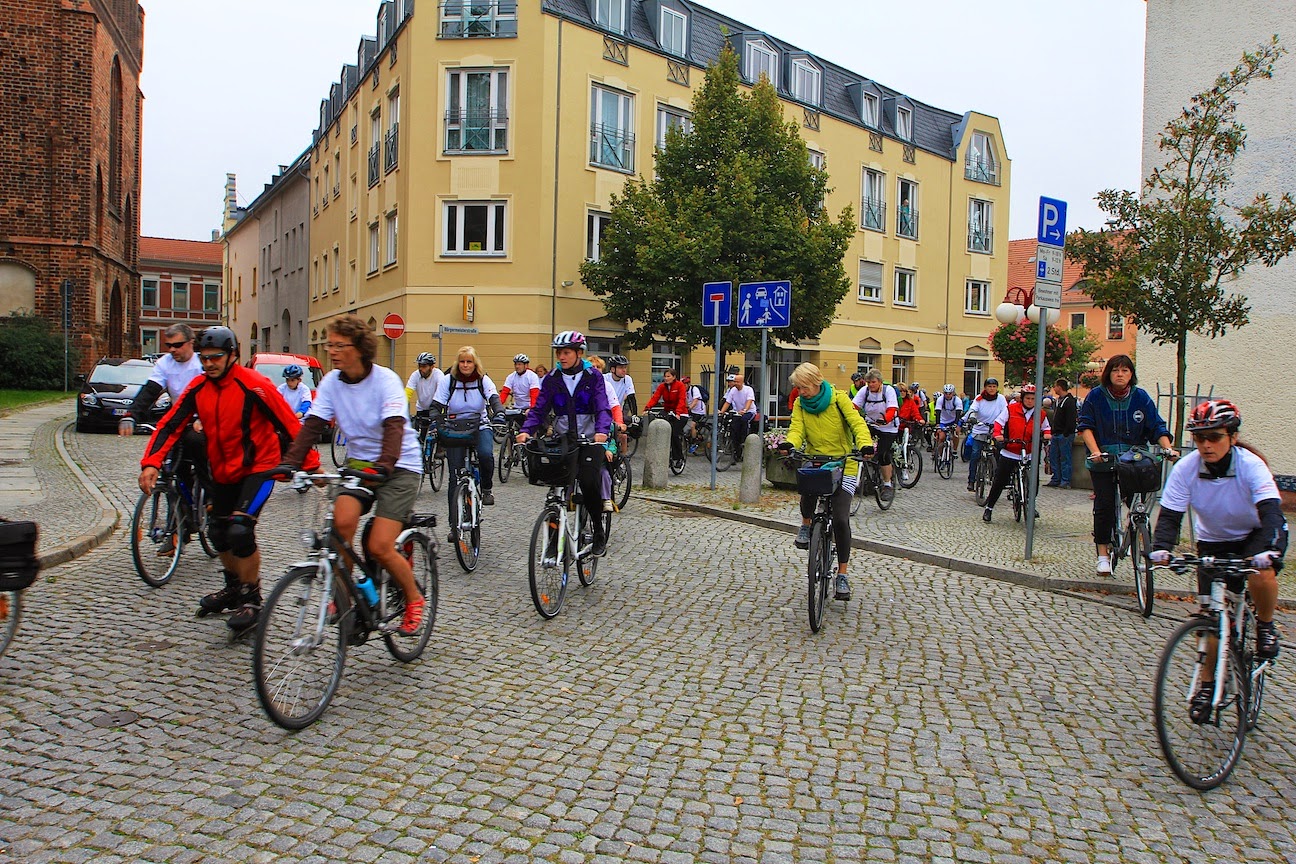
<point x="212" y="358"/>
<point x="338" y="346"/>
<point x="1212" y="437"/>
<point x="176" y="344"/>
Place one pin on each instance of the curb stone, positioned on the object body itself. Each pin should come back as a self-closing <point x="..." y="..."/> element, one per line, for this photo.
<point x="109" y="516"/>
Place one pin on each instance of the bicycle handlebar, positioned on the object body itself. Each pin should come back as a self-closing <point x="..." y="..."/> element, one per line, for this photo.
<point x="1225" y="565"/>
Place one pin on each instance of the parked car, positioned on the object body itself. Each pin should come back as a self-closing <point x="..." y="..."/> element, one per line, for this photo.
<point x="273" y="365"/>
<point x="108" y="391"/>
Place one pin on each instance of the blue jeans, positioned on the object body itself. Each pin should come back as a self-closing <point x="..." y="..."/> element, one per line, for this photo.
<point x="1060" y="457"/>
<point x="457" y="456"/>
<point x="977" y="448"/>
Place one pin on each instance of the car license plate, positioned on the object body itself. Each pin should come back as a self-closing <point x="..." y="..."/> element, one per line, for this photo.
<point x="120" y="412"/>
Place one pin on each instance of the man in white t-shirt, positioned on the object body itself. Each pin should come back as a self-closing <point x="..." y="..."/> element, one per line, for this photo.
<point x="523" y="384"/>
<point x="622" y="384"/>
<point x="741" y="400"/>
<point x="421" y="387"/>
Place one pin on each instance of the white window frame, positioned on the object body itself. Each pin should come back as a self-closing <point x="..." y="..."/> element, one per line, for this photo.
<point x="912" y="214"/>
<point x="976" y="368"/>
<point x="1119" y="329"/>
<point x="873" y="201"/>
<point x="610" y="15"/>
<point x="668" y="116"/>
<point x="867" y="361"/>
<point x="982" y="165"/>
<point x="981" y="222"/>
<point x="595" y="224"/>
<point x="807" y="82"/>
<point x="496" y="224"/>
<point x="375" y="247"/>
<point x="1078" y="320"/>
<point x="144" y="292"/>
<point x="375" y="127"/>
<point x="904" y="123"/>
<point x="817" y="159"/>
<point x="211" y="291"/>
<point x="870" y="109"/>
<point x="337" y="267"/>
<point x="872" y="292"/>
<point x="496" y="122"/>
<point x="897" y="298"/>
<point x="153" y="341"/>
<point x="900" y="364"/>
<point x="770" y="67"/>
<point x="391" y="226"/>
<point x="674" y="31"/>
<point x="177" y="285"/>
<point x="622" y="139"/>
<point x="976" y="297"/>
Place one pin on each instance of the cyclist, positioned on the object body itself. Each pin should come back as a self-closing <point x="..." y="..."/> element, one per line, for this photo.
<point x="882" y="412"/>
<point x="697" y="409"/>
<point x="576" y="392"/>
<point x="990" y="407"/>
<point x="674" y="399"/>
<point x="1115" y="416"/>
<point x="857" y="383"/>
<point x="1237" y="511"/>
<point x="249" y="425"/>
<point x="297" y="396"/>
<point x="949" y="412"/>
<point x="522" y="384"/>
<point x="421" y="387"/>
<point x="824" y="423"/>
<point x="1016" y="428"/>
<point x="468" y="392"/>
<point x="369" y="404"/>
<point x="622" y="383"/>
<point x="740" y="399"/>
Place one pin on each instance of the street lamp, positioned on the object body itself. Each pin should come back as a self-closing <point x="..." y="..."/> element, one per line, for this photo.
<point x="1008" y="313"/>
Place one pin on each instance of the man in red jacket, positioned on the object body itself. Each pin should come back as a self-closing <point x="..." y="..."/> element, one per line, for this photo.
<point x="248" y="427"/>
<point x="1017" y="430"/>
<point x="673" y="396"/>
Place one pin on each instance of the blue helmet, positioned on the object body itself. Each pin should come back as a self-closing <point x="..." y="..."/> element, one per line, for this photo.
<point x="292" y="371"/>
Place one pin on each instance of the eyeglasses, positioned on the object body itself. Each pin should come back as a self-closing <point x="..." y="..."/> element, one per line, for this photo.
<point x="338" y="346"/>
<point x="1212" y="437"/>
<point x="180" y="344"/>
<point x="212" y="358"/>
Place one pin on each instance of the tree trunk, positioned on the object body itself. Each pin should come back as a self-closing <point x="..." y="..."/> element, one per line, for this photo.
<point x="1181" y="385"/>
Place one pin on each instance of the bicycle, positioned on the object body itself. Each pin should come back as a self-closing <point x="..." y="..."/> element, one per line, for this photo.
<point x="1215" y="706"/>
<point x="677" y="463"/>
<point x="944" y="453"/>
<point x="622" y="480"/>
<point x="165" y="519"/>
<point x="820" y="476"/>
<point x="563" y="536"/>
<point x="987" y="465"/>
<point x="1017" y="484"/>
<point x="870" y="483"/>
<point x="908" y="459"/>
<point x="338" y="447"/>
<point x="18" y="568"/>
<point x="1132" y="532"/>
<point x="433" y="454"/>
<point x="296" y="660"/>
<point x="509" y="454"/>
<point x="466" y="504"/>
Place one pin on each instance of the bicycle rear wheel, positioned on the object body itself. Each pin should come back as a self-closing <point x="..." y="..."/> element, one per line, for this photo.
<point x="156" y="536"/>
<point x="587" y="564"/>
<point x="10" y="616"/>
<point x="883" y="502"/>
<point x="1140" y="539"/>
<point x="911" y="467"/>
<point x="724" y="451"/>
<point x="300" y="649"/>
<point x="945" y="460"/>
<point x="622" y="481"/>
<point x="202" y="522"/>
<point x="407" y="647"/>
<point x="546" y="570"/>
<point x="338" y="448"/>
<point x="984" y="478"/>
<point x="468" y="538"/>
<point x="818" y="573"/>
<point x="504" y="462"/>
<point x="1202" y="752"/>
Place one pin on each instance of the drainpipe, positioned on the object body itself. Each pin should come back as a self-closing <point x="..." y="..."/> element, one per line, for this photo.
<point x="949" y="264"/>
<point x="553" y="276"/>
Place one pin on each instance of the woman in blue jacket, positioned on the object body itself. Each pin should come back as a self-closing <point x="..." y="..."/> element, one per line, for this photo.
<point x="1116" y="416"/>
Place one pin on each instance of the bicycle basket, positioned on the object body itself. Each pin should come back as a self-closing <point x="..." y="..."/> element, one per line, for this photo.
<point x="551" y="461"/>
<point x="634" y="427"/>
<point x="1138" y="471"/>
<point x="819" y="480"/>
<point x="18" y="562"/>
<point x="459" y="432"/>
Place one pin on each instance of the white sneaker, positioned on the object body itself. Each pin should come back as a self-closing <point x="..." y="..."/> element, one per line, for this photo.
<point x="1104" y="565"/>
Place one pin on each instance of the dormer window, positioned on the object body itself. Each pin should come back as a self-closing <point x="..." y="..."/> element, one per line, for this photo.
<point x="904" y="124"/>
<point x="806" y="79"/>
<point x="674" y="30"/>
<point x="982" y="165"/>
<point x="761" y="60"/>
<point x="382" y="25"/>
<point x="869" y="111"/>
<point x="610" y="15"/>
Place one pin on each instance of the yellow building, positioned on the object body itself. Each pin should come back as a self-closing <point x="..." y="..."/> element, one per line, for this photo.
<point x="465" y="165"/>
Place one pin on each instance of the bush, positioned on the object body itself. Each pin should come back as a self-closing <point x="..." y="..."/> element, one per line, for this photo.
<point x="1014" y="345"/>
<point x="31" y="354"/>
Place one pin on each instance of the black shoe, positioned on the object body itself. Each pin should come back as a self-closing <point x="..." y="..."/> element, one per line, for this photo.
<point x="599" y="548"/>
<point x="453" y="536"/>
<point x="843" y="588"/>
<point x="226" y="598"/>
<point x="487" y="499"/>
<point x="247" y="615"/>
<point x="1199" y="708"/>
<point x="1053" y="483"/>
<point x="888" y="493"/>
<point x="986" y="514"/>
<point x="1268" y="643"/>
<point x="802" y="540"/>
<point x="971" y="487"/>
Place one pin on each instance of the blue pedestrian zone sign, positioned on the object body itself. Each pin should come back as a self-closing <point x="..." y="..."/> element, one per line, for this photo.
<point x="765" y="304"/>
<point x="717" y="300"/>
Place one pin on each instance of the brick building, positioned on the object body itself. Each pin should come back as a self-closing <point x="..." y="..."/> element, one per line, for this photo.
<point x="70" y="113"/>
<point x="180" y="283"/>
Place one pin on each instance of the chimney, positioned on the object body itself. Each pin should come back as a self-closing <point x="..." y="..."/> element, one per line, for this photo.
<point x="231" y="202"/>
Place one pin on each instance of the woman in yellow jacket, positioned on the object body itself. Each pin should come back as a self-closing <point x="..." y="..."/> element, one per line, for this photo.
<point x="825" y="423"/>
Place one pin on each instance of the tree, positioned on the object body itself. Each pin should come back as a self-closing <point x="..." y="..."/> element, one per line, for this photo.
<point x="1015" y="345"/>
<point x="1084" y="345"/>
<point x="1163" y="256"/>
<point x="734" y="199"/>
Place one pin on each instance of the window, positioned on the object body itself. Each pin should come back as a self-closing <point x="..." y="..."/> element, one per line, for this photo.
<point x="149" y="293"/>
<point x="761" y="60"/>
<point x="870" y="281"/>
<point x="904" y="124"/>
<point x="391" y="141"/>
<point x="817" y="160"/>
<point x="179" y="296"/>
<point x="611" y="119"/>
<point x="464" y="19"/>
<point x="980" y="226"/>
<point x="321" y="275"/>
<point x="211" y="296"/>
<point x="375" y="144"/>
<point x="373" y="247"/>
<point x="671" y="118"/>
<point x="474" y="228"/>
<point x="674" y="28"/>
<point x="973" y="374"/>
<point x="866" y="363"/>
<point x="323" y="189"/>
<point x="610" y="15"/>
<point x="337" y="267"/>
<point x="981" y="164"/>
<point x="665" y="355"/>
<point x="900" y="368"/>
<point x="1115" y="326"/>
<point x="905" y="292"/>
<point x="874" y="204"/>
<point x="595" y="225"/>
<point x="148" y="341"/>
<point x="907" y="209"/>
<point x="391" y="239"/>
<point x="805" y="82"/>
<point x="477" y="117"/>
<point x="1077" y="320"/>
<point x="869" y="112"/>
<point x="976" y="297"/>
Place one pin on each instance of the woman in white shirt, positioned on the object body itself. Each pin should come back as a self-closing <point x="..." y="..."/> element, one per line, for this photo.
<point x="468" y="392"/>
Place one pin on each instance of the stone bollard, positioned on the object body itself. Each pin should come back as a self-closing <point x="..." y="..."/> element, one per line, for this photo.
<point x="656" y="452"/>
<point x="749" y="487"/>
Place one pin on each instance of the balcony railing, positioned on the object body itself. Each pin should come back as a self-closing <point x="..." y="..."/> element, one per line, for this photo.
<point x="982" y="171"/>
<point x="391" y="148"/>
<point x="373" y="163"/>
<point x="612" y="147"/>
<point x="874" y="210"/>
<point x="980" y="239"/>
<point x="907" y="222"/>
<point x="464" y="19"/>
<point x="476" y="132"/>
<point x="355" y="134"/>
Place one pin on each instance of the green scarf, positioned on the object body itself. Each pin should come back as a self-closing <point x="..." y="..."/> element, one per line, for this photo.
<point x="818" y="403"/>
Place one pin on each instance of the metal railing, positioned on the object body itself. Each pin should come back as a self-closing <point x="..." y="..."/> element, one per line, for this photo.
<point x="982" y="171"/>
<point x="465" y="19"/>
<point x="980" y="239"/>
<point x="874" y="213"/>
<point x="907" y="222"/>
<point x="612" y="147"/>
<point x="476" y="132"/>
<point x="391" y="148"/>
<point x="373" y="163"/>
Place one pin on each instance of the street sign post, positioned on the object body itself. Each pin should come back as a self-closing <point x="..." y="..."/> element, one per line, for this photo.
<point x="1049" y="255"/>
<point x="443" y="329"/>
<point x="393" y="329"/>
<point x="717" y="302"/>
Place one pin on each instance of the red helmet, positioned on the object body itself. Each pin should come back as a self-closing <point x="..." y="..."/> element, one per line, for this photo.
<point x="1028" y="390"/>
<point x="1215" y="414"/>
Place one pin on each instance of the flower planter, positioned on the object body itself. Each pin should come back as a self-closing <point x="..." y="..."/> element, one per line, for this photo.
<point x="778" y="472"/>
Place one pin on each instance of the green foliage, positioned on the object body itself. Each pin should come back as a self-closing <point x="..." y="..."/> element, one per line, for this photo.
<point x="1084" y="349"/>
<point x="1165" y="254"/>
<point x="31" y="354"/>
<point x="735" y="199"/>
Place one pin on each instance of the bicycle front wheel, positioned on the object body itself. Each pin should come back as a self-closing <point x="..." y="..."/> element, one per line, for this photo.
<point x="504" y="462"/>
<point x="622" y="480"/>
<point x="818" y="573"/>
<point x="338" y="448"/>
<point x="858" y="497"/>
<point x="156" y="536"/>
<point x="984" y="478"/>
<point x="1203" y="746"/>
<point x="1140" y="545"/>
<point x="545" y="567"/>
<point x="911" y="466"/>
<point x="945" y="461"/>
<point x="586" y="564"/>
<point x="202" y="522"/>
<point x="468" y="538"/>
<point x="300" y="649"/>
<point x="406" y="647"/>
<point x="10" y="615"/>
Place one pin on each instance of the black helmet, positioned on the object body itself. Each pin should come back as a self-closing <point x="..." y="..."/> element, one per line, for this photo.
<point x="218" y="337"/>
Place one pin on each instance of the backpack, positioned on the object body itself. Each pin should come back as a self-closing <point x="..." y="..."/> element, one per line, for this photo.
<point x="703" y="393"/>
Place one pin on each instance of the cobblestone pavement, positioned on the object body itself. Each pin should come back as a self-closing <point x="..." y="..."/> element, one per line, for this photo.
<point x="678" y="710"/>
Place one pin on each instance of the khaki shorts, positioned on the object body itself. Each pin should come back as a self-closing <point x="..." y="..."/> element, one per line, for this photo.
<point x="392" y="500"/>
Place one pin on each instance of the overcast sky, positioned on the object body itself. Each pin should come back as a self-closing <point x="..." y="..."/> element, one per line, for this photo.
<point x="235" y="86"/>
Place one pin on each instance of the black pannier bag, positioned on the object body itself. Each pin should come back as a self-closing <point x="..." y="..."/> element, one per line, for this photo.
<point x="18" y="563"/>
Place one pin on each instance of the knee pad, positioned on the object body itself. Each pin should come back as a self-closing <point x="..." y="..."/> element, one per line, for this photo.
<point x="218" y="534"/>
<point x="241" y="536"/>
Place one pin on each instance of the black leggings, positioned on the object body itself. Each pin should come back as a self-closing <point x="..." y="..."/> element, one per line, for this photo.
<point x="1003" y="475"/>
<point x="1104" y="508"/>
<point x="589" y="477"/>
<point x="841" y="502"/>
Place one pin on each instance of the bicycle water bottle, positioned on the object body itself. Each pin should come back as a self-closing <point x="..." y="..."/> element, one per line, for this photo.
<point x="366" y="586"/>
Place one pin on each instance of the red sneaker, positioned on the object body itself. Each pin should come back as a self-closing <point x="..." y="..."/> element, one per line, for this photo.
<point x="413" y="617"/>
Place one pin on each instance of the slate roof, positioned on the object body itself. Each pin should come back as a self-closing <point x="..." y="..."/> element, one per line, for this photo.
<point x="933" y="128"/>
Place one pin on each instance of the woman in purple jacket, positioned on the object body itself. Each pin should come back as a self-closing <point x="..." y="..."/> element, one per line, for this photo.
<point x="576" y="395"/>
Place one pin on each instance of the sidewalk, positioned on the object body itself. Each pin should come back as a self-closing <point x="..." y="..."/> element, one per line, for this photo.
<point x="40" y="482"/>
